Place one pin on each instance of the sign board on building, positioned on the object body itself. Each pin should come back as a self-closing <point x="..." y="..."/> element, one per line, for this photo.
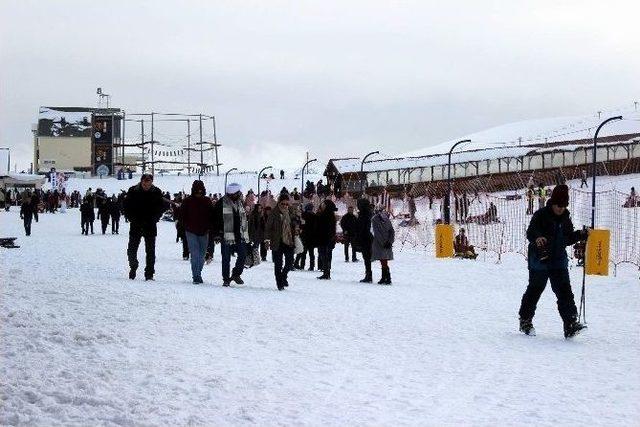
<point x="102" y="144"/>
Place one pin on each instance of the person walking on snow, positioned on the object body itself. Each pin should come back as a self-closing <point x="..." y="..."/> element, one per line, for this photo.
<point x="197" y="216"/>
<point x="280" y="232"/>
<point x="104" y="213"/>
<point x="348" y="225"/>
<point x="326" y="236"/>
<point x="143" y="207"/>
<point x="549" y="233"/>
<point x="364" y="237"/>
<point x="231" y="227"/>
<point x="114" y="211"/>
<point x="26" y="213"/>
<point x="382" y="245"/>
<point x="87" y="216"/>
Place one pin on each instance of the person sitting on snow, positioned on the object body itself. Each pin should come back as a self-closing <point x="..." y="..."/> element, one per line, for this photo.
<point x="462" y="247"/>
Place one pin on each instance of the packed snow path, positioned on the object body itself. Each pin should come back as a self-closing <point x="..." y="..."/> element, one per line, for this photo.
<point x="82" y="344"/>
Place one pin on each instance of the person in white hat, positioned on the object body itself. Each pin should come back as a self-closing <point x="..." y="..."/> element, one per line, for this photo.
<point x="231" y="227"/>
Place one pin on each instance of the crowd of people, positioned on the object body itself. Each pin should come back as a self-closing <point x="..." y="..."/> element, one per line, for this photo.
<point x="293" y="226"/>
<point x="297" y="226"/>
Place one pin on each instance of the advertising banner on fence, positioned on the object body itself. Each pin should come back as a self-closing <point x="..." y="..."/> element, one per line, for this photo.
<point x="444" y="241"/>
<point x="597" y="256"/>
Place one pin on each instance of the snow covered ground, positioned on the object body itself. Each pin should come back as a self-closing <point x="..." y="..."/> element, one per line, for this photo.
<point x="83" y="345"/>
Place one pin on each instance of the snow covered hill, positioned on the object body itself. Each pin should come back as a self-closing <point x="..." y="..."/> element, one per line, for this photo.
<point x="538" y="131"/>
<point x="83" y="345"/>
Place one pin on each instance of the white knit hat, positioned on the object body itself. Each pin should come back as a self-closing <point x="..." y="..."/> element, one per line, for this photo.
<point x="233" y="188"/>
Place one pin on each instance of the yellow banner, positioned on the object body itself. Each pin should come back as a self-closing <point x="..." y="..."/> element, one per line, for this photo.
<point x="444" y="241"/>
<point x="597" y="253"/>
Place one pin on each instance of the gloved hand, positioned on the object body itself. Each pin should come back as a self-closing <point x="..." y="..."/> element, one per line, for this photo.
<point x="584" y="233"/>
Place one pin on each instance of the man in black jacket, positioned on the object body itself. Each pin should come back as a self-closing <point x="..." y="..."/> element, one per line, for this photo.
<point x="143" y="207"/>
<point x="26" y="213"/>
<point x="348" y="225"/>
<point x="363" y="237"/>
<point x="326" y="235"/>
<point x="549" y="233"/>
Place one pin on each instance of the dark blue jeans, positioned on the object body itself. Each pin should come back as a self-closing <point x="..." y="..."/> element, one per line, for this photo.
<point x="281" y="271"/>
<point x="241" y="253"/>
<point x="197" y="249"/>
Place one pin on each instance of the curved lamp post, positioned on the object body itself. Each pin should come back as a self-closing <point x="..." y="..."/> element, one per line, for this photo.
<point x="225" y="178"/>
<point x="259" y="175"/>
<point x="302" y="177"/>
<point x="447" y="204"/>
<point x="582" y="312"/>
<point x="364" y="159"/>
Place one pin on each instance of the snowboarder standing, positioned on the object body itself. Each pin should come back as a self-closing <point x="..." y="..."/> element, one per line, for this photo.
<point x="383" y="238"/>
<point x="549" y="233"/>
<point x="143" y="207"/>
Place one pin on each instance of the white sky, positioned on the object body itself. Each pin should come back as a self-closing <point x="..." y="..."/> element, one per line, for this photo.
<point x="336" y="78"/>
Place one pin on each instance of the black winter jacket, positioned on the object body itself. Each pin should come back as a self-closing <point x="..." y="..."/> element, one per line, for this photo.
<point x="363" y="236"/>
<point x="559" y="232"/>
<point x="348" y="225"/>
<point x="144" y="208"/>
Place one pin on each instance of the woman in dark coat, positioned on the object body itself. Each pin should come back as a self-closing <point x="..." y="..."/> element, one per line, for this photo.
<point x="104" y="212"/>
<point x="326" y="236"/>
<point x="114" y="211"/>
<point x="382" y="247"/>
<point x="86" y="215"/>
<point x="308" y="236"/>
<point x="363" y="237"/>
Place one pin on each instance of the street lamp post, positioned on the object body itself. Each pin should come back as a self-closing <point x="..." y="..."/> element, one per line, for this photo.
<point x="582" y="312"/>
<point x="364" y="159"/>
<point x="593" y="169"/>
<point x="302" y="177"/>
<point x="447" y="204"/>
<point x="225" y="178"/>
<point x="260" y="175"/>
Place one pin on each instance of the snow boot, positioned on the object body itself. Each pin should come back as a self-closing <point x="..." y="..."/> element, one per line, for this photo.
<point x="226" y="282"/>
<point x="237" y="279"/>
<point x="325" y="276"/>
<point x="573" y="328"/>
<point x="526" y="327"/>
<point x="367" y="278"/>
<point x="132" y="274"/>
<point x="386" y="276"/>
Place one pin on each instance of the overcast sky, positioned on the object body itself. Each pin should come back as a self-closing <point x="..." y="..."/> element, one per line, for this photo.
<point x="336" y="78"/>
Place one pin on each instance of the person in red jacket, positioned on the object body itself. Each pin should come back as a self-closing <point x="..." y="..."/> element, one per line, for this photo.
<point x="197" y="216"/>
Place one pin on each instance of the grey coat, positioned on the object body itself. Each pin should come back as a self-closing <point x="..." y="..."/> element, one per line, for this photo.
<point x="383" y="235"/>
